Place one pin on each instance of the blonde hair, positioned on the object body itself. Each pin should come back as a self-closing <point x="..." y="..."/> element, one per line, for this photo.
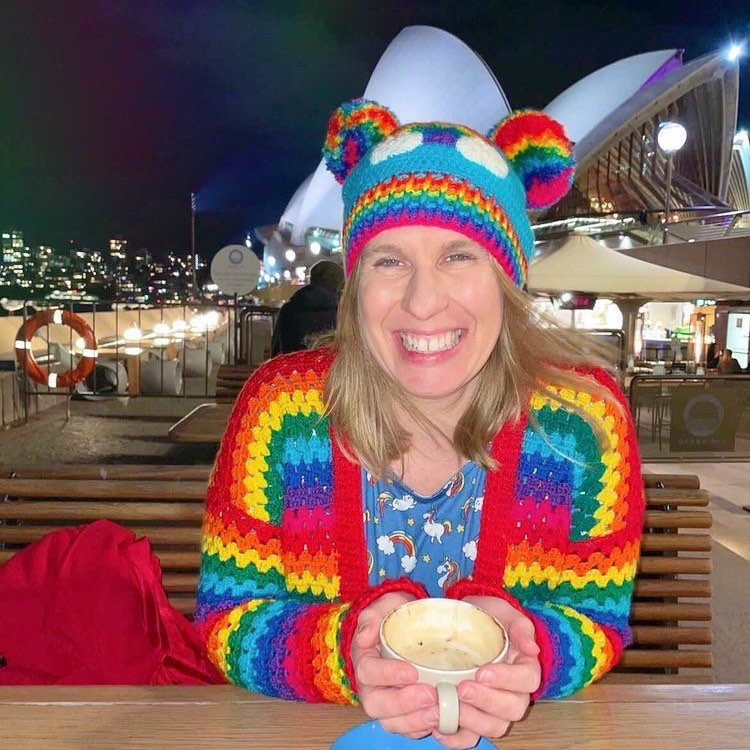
<point x="532" y="350"/>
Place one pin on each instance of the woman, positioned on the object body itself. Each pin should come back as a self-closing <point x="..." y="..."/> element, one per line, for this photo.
<point x="490" y="461"/>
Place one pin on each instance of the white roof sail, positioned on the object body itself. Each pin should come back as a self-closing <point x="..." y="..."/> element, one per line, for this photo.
<point x="582" y="264"/>
<point x="591" y="99"/>
<point x="404" y="80"/>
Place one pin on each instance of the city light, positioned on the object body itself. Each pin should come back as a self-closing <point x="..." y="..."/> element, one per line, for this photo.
<point x="132" y="334"/>
<point x="735" y="51"/>
<point x="671" y="136"/>
<point x="315" y="247"/>
<point x="290" y="255"/>
<point x="270" y="260"/>
<point x="566" y="297"/>
<point x="212" y="319"/>
<point x="162" y="329"/>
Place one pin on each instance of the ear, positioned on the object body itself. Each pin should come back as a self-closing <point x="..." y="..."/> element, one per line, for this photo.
<point x="354" y="128"/>
<point x="540" y="153"/>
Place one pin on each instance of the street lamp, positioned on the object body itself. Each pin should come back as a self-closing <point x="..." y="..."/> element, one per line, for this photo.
<point x="671" y="138"/>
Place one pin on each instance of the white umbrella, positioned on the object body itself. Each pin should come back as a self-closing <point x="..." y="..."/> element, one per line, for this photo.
<point x="582" y="264"/>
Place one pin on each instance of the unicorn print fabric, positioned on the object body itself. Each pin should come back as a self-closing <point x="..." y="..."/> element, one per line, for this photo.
<point x="432" y="539"/>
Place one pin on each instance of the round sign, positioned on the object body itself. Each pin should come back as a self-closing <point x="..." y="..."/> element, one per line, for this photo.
<point x="235" y="269"/>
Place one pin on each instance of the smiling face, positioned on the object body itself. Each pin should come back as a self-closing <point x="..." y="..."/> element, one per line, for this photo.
<point x="430" y="307"/>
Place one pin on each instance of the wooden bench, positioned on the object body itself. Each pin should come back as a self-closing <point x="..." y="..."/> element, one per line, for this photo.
<point x="671" y="612"/>
<point x="229" y="381"/>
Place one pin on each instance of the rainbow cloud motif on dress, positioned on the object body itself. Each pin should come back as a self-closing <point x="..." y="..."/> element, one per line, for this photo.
<point x="403" y="503"/>
<point x="387" y="545"/>
<point x="473" y="503"/>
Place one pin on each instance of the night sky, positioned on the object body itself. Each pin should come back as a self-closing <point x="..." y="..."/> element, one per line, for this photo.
<point x="112" y="111"/>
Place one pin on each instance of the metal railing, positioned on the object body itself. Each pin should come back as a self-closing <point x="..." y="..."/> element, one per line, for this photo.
<point x="171" y="350"/>
<point x="692" y="417"/>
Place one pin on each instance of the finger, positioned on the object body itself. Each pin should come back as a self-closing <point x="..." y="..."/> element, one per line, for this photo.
<point x="480" y="723"/>
<point x="422" y="722"/>
<point x="462" y="740"/>
<point x="521" y="633"/>
<point x="374" y="671"/>
<point x="522" y="677"/>
<point x="389" y="703"/>
<point x="503" y="704"/>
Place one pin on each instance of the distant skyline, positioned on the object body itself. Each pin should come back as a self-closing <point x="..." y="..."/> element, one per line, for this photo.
<point x="113" y="111"/>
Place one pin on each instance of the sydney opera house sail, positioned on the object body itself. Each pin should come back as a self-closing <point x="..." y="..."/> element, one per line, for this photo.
<point x="739" y="175"/>
<point x="614" y="114"/>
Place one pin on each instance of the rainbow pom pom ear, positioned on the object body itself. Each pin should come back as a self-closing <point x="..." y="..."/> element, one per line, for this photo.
<point x="540" y="153"/>
<point x="354" y="128"/>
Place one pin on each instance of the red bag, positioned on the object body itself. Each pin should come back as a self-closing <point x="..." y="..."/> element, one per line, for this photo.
<point x="85" y="606"/>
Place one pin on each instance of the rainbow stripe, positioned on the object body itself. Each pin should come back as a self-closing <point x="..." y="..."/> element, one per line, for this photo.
<point x="437" y="200"/>
<point x="280" y="592"/>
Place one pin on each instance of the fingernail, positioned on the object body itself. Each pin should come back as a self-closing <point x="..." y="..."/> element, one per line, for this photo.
<point x="404" y="676"/>
<point x="484" y="677"/>
<point x="468" y="693"/>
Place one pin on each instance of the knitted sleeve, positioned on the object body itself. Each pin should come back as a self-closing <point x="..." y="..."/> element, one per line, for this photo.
<point x="269" y="607"/>
<point x="582" y="507"/>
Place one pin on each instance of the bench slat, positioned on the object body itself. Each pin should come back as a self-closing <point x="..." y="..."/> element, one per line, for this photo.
<point x="657" y="542"/>
<point x="675" y="565"/>
<point x="678" y="519"/>
<point x="658" y="611"/>
<point x="665" y="659"/>
<point x="84" y="510"/>
<point x="650" y="635"/>
<point x="104" y="488"/>
<point x="678" y="481"/>
<point x="121" y="472"/>
<point x="672" y="589"/>
<point x="677" y="498"/>
<point x="159" y="535"/>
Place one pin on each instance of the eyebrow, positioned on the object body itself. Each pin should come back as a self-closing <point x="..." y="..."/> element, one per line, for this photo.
<point x="456" y="244"/>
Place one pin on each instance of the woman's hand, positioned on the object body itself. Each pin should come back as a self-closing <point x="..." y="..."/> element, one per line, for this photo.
<point x="501" y="693"/>
<point x="388" y="688"/>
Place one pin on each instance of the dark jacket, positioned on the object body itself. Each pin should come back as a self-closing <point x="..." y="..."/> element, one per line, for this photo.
<point x="311" y="309"/>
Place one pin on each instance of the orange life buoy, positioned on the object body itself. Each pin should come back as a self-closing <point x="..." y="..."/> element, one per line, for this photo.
<point x="25" y="355"/>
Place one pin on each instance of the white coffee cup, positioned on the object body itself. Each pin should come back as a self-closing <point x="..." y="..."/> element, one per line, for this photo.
<point x="447" y="640"/>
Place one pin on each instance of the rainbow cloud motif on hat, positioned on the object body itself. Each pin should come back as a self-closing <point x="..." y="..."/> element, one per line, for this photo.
<point x="447" y="175"/>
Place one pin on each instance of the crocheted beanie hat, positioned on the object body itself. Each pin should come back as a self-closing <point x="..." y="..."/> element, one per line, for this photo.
<point x="447" y="175"/>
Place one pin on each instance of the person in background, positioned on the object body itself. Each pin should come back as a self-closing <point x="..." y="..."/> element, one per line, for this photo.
<point x="444" y="443"/>
<point x="728" y="365"/>
<point x="310" y="310"/>
<point x="712" y="359"/>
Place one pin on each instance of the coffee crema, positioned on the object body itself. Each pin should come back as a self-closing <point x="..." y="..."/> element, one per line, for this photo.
<point x="440" y="634"/>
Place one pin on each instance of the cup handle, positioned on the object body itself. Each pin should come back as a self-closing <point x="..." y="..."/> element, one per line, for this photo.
<point x="448" y="705"/>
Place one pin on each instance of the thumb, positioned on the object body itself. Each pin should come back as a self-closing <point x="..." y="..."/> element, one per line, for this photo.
<point x="521" y="633"/>
<point x="367" y="634"/>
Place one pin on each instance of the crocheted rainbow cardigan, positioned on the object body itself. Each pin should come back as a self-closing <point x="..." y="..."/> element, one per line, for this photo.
<point x="284" y="571"/>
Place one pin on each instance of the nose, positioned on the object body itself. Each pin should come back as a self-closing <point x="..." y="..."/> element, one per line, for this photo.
<point x="426" y="293"/>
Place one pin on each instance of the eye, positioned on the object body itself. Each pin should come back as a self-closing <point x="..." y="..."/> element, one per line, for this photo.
<point x="460" y="256"/>
<point x="386" y="262"/>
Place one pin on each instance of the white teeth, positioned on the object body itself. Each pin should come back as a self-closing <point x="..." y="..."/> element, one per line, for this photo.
<point x="430" y="344"/>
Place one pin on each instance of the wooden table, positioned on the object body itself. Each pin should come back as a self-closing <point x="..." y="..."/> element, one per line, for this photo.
<point x="606" y="717"/>
<point x="204" y="424"/>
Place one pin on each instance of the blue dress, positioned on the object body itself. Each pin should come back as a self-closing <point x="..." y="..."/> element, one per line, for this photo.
<point x="432" y="540"/>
